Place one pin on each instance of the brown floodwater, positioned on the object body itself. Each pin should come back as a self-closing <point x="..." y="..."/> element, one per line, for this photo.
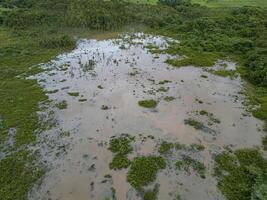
<point x="75" y="149"/>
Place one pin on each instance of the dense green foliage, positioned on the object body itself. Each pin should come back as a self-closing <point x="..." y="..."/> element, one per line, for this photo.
<point x="242" y="174"/>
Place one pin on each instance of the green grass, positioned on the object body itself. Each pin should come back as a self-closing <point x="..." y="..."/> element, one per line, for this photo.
<point x="242" y="174"/>
<point x="231" y="3"/>
<point x="148" y="103"/>
<point x="143" y="170"/>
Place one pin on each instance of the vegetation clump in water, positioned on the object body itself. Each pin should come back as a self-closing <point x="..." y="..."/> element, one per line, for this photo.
<point x="104" y="107"/>
<point x="148" y="103"/>
<point x="121" y="147"/>
<point x="163" y="89"/>
<point x="169" y="98"/>
<point x="62" y="105"/>
<point x="196" y="124"/>
<point x="74" y="94"/>
<point x="119" y="161"/>
<point x="165" y="147"/>
<point x="242" y="174"/>
<point x="188" y="162"/>
<point x="143" y="170"/>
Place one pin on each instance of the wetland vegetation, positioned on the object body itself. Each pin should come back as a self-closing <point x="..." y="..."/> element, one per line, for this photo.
<point x="35" y="31"/>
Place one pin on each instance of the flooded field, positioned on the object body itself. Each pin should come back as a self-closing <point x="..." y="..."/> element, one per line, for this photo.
<point x="96" y="91"/>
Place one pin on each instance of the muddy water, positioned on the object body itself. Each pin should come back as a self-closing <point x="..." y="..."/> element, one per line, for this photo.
<point x="118" y="73"/>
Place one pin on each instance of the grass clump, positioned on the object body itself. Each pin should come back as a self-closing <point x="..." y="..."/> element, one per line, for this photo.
<point x="144" y="170"/>
<point x="196" y="124"/>
<point x="169" y="98"/>
<point x="62" y="105"/>
<point x="121" y="145"/>
<point x="165" y="147"/>
<point x="119" y="161"/>
<point x="242" y="174"/>
<point x="74" y="94"/>
<point x="148" y="103"/>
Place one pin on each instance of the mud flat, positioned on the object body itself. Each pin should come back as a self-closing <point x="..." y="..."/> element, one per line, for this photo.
<point x="96" y="91"/>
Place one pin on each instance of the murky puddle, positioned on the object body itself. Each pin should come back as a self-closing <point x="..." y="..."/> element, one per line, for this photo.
<point x="116" y="74"/>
